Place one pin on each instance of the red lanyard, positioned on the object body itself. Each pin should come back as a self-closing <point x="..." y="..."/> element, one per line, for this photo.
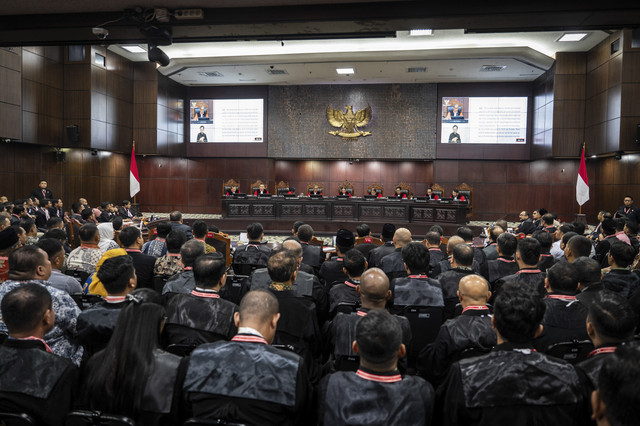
<point x="603" y="350"/>
<point x="248" y="338"/>
<point x="379" y="378"/>
<point x="475" y="308"/>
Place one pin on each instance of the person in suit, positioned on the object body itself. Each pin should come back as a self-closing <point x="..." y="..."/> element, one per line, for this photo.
<point x="375" y="192"/>
<point x="132" y="241"/>
<point x="125" y="211"/>
<point x="42" y="214"/>
<point x="627" y="210"/>
<point x="262" y="190"/>
<point x="231" y="191"/>
<point x="42" y="192"/>
<point x="399" y="193"/>
<point x="431" y="195"/>
<point x="56" y="210"/>
<point x="202" y="136"/>
<point x="454" y="136"/>
<point x="344" y="192"/>
<point x="456" y="196"/>
<point x="176" y="224"/>
<point x="312" y="255"/>
<point x="376" y="255"/>
<point x="364" y="231"/>
<point x="315" y="191"/>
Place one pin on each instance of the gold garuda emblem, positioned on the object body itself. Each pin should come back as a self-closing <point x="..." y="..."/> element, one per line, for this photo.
<point x="348" y="122"/>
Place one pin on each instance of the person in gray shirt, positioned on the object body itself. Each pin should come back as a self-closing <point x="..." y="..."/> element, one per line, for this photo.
<point x="55" y="250"/>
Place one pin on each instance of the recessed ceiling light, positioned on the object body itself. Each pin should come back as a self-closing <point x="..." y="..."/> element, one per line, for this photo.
<point x="134" y="49"/>
<point x="572" y="36"/>
<point x="345" y="71"/>
<point x="421" y="32"/>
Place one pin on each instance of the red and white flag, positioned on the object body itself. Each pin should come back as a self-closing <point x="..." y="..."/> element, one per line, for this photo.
<point x="134" y="180"/>
<point x="582" y="186"/>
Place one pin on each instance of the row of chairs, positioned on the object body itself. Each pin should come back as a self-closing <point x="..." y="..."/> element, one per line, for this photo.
<point x="97" y="418"/>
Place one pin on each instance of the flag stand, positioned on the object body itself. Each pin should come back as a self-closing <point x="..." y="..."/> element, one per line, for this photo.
<point x="582" y="187"/>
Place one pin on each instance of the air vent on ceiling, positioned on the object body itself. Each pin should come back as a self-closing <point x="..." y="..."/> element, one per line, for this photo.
<point x="492" y="68"/>
<point x="211" y="74"/>
<point x="277" y="72"/>
<point x="417" y="69"/>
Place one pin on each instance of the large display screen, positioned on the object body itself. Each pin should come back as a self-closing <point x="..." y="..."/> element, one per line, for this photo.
<point x="226" y="120"/>
<point x="484" y="120"/>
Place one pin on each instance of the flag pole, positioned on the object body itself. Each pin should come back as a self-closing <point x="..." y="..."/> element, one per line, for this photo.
<point x="134" y="147"/>
<point x="584" y="144"/>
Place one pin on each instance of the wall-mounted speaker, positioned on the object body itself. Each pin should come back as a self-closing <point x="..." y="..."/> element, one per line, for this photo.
<point x="72" y="133"/>
<point x="61" y="156"/>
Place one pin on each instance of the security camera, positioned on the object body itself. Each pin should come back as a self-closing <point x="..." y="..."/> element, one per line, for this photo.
<point x="99" y="32"/>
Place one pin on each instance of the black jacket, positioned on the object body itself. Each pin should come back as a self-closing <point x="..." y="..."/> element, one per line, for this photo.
<point x="533" y="278"/>
<point x="95" y="326"/>
<point x="38" y="194"/>
<point x="435" y="256"/>
<point x="546" y="261"/>
<point x="622" y="281"/>
<point x="450" y="280"/>
<point x="331" y="272"/>
<point x="376" y="255"/>
<point x="471" y="331"/>
<point x="564" y="320"/>
<point x="417" y="290"/>
<point x="143" y="265"/>
<point x="249" y="382"/>
<point x="512" y="385"/>
<point x="34" y="381"/>
<point x="375" y="399"/>
<point x="501" y="267"/>
<point x="343" y="293"/>
<point x="592" y="365"/>
<point x="312" y="256"/>
<point x="393" y="265"/>
<point x="253" y="253"/>
<point x="588" y="294"/>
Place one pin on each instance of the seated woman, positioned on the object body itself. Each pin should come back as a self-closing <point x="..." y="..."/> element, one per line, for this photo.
<point x="233" y="190"/>
<point x="456" y="196"/>
<point x="262" y="190"/>
<point x="132" y="377"/>
<point x="315" y="191"/>
<point x="344" y="192"/>
<point x="374" y="191"/>
<point x="399" y="193"/>
<point x="431" y="195"/>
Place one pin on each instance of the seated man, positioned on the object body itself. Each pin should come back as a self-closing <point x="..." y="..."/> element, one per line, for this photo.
<point x="546" y="258"/>
<point x="577" y="246"/>
<point x="315" y="191"/>
<point x="526" y="227"/>
<point x="470" y="332"/>
<point x="34" y="380"/>
<point x="331" y="270"/>
<point x="233" y="190"/>
<point x="344" y="193"/>
<point x="527" y="256"/>
<point x="9" y="242"/>
<point x="513" y="384"/>
<point x="132" y="241"/>
<point x="416" y="288"/>
<point x="392" y="264"/>
<point x="311" y="255"/>
<point x="86" y="257"/>
<point x="185" y="281"/>
<point x="556" y="248"/>
<point x="249" y="381"/>
<point x="262" y="190"/>
<point x="377" y="393"/>
<point x="399" y="194"/>
<point x="158" y="246"/>
<point x="364" y="231"/>
<point x="42" y="214"/>
<point x="354" y="264"/>
<point x="125" y="212"/>
<point x="461" y="267"/>
<point x="564" y="319"/>
<point x="610" y="323"/>
<point x="374" y="293"/>
<point x="491" y="251"/>
<point x="202" y="316"/>
<point x="55" y="251"/>
<point x="617" y="400"/>
<point x="505" y="264"/>
<point x="589" y="276"/>
<point x="200" y="231"/>
<point x="30" y="264"/>
<point x="430" y="195"/>
<point x="96" y="324"/>
<point x="456" y="196"/>
<point x="375" y="192"/>
<point x="433" y="240"/>
<point x="547" y="223"/>
<point x="621" y="279"/>
<point x="481" y="263"/>
<point x="171" y="263"/>
<point x="376" y="255"/>
<point x="255" y="252"/>
<point x="175" y="218"/>
<point x="108" y="212"/>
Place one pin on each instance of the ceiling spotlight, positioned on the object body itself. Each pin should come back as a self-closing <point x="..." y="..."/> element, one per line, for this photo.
<point x="345" y="71"/>
<point x="134" y="49"/>
<point x="572" y="37"/>
<point x="158" y="56"/>
<point x="421" y="32"/>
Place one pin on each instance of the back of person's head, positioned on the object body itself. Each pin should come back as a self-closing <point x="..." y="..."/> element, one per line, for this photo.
<point x="56" y="234"/>
<point x="208" y="269"/>
<point x="282" y="265"/>
<point x="77" y="207"/>
<point x="363" y="230"/>
<point x="163" y="229"/>
<point x="529" y="251"/>
<point x="116" y="376"/>
<point x="578" y="227"/>
<point x="354" y="262"/>
<point x="563" y="278"/>
<point x="117" y="223"/>
<point x="545" y="239"/>
<point x="608" y="227"/>
<point x="86" y="214"/>
<point x="379" y="336"/>
<point x="17" y="210"/>
<point x="438" y="229"/>
<point x="620" y="223"/>
<point x="24" y="262"/>
<point x="213" y="228"/>
<point x="465" y="233"/>
<point x="175" y="240"/>
<point x="374" y="285"/>
<point x="255" y="231"/>
<point x="565" y="227"/>
<point x="258" y="306"/>
<point x="495" y="232"/>
<point x="567" y="236"/>
<point x="344" y="240"/>
<point x="296" y="225"/>
<point x="433" y="238"/>
<point x="89" y="231"/>
<point x="547" y="219"/>
<point x="190" y="251"/>
<point x="293" y="246"/>
<point x="618" y="387"/>
<point x="463" y="255"/>
<point x="518" y="312"/>
<point x="588" y="270"/>
<point x="24" y="307"/>
<point x="105" y="204"/>
<point x="129" y="235"/>
<point x="54" y="222"/>
<point x="27" y="224"/>
<point x="388" y="231"/>
<point x="416" y="256"/>
<point x="51" y="246"/>
<point x="502" y="224"/>
<point x="175" y="216"/>
<point x="305" y="233"/>
<point x="632" y="227"/>
<point x="622" y="253"/>
<point x="612" y="317"/>
<point x="125" y="203"/>
<point x="146" y="295"/>
<point x="453" y="242"/>
<point x="402" y="237"/>
<point x="115" y="274"/>
<point x="507" y="243"/>
<point x="200" y="229"/>
<point x="579" y="245"/>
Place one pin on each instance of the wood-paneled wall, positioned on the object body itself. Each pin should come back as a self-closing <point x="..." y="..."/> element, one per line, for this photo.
<point x="568" y="104"/>
<point x="10" y="93"/>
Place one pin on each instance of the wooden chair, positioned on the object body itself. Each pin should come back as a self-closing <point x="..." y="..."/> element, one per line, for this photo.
<point x="379" y="188"/>
<point x="221" y="243"/>
<point x="316" y="242"/>
<point x="312" y="185"/>
<point x="256" y="186"/>
<point x="405" y="188"/>
<point x="438" y="190"/>
<point x="467" y="191"/>
<point x="348" y="185"/>
<point x="282" y="188"/>
<point x="371" y="240"/>
<point x="228" y="185"/>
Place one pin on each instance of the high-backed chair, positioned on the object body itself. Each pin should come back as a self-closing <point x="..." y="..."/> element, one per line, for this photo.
<point x="348" y="186"/>
<point x="221" y="243"/>
<point x="379" y="188"/>
<point x="311" y="185"/>
<point x="438" y="190"/>
<point x="467" y="191"/>
<point x="405" y="189"/>
<point x="283" y="188"/>
<point x="228" y="185"/>
<point x="256" y="186"/>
